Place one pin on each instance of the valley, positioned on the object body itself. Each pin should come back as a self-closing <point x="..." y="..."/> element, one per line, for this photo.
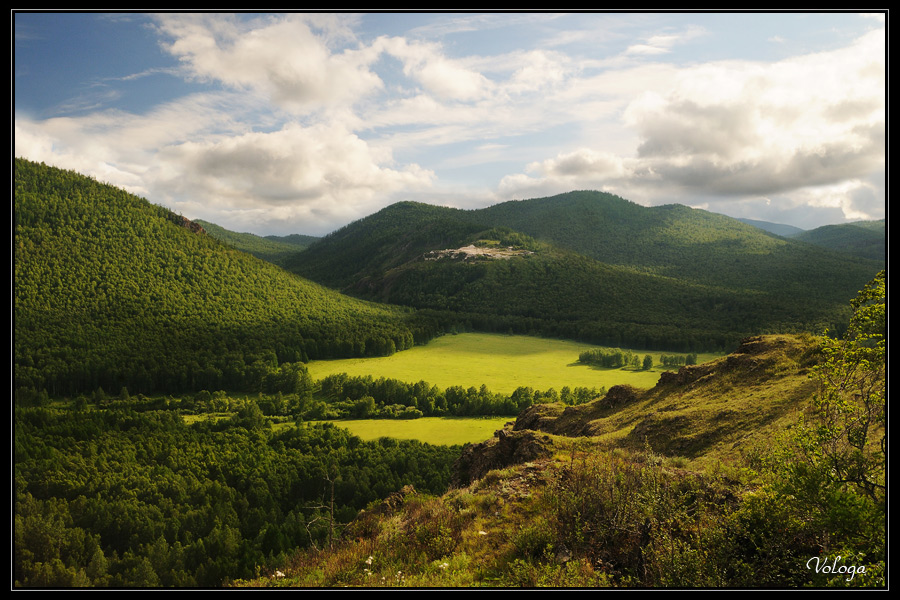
<point x="678" y="418"/>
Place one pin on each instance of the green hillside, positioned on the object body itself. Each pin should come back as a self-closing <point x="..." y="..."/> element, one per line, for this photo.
<point x="380" y="242"/>
<point x="686" y="243"/>
<point x="593" y="267"/>
<point x="133" y="467"/>
<point x="113" y="291"/>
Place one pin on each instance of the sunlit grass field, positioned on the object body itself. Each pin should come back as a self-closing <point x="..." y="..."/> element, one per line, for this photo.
<point x="446" y="431"/>
<point x="502" y="362"/>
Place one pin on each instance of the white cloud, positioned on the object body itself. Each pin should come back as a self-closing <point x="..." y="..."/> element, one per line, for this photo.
<point x="313" y="174"/>
<point x="744" y="127"/>
<point x="583" y="163"/>
<point x="279" y="57"/>
<point x="441" y="76"/>
<point x="663" y="43"/>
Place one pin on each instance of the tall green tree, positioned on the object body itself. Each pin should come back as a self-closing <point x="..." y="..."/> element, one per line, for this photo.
<point x="849" y="430"/>
<point x="832" y="474"/>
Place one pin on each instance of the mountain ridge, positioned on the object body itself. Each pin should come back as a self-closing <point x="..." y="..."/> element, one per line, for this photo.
<point x="696" y="261"/>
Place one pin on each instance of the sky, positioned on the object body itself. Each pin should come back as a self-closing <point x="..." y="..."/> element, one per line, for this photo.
<point x="283" y="123"/>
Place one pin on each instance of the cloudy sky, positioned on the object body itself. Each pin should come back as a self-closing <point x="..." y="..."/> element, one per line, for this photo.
<point x="301" y="123"/>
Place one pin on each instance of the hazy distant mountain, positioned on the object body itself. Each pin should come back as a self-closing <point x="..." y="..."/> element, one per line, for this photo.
<point x="294" y="239"/>
<point x="272" y="248"/>
<point x="776" y="228"/>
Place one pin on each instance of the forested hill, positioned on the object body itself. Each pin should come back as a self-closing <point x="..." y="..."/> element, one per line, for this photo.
<point x="678" y="241"/>
<point x="113" y="291"/>
<point x="866" y="239"/>
<point x="387" y="239"/>
<point x="590" y="266"/>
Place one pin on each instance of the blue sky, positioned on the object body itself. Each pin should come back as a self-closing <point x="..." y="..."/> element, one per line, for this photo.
<point x="301" y="123"/>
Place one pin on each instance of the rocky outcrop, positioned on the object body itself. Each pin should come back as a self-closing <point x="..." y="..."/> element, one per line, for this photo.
<point x="574" y="421"/>
<point x="183" y="221"/>
<point x="191" y="226"/>
<point x="506" y="448"/>
<point x="618" y="395"/>
<point x="539" y="417"/>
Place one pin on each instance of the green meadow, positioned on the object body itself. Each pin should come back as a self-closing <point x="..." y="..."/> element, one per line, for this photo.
<point x="501" y="362"/>
<point x="443" y="431"/>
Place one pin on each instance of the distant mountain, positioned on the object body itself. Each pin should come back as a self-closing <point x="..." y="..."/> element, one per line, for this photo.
<point x="865" y="239"/>
<point x="590" y="266"/>
<point x="274" y="249"/>
<point x="677" y="241"/>
<point x="294" y="239"/>
<point x="776" y="228"/>
<point x="113" y="291"/>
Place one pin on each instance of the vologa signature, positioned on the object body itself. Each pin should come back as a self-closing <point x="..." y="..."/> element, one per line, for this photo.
<point x="822" y="566"/>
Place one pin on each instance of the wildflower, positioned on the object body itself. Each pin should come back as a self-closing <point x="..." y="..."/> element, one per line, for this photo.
<point x="369" y="560"/>
<point x="443" y="565"/>
<point x="279" y="574"/>
<point x="482" y="532"/>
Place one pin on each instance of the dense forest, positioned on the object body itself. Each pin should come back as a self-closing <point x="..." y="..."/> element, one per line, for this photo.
<point x="123" y="498"/>
<point x="113" y="291"/>
<point x="690" y="244"/>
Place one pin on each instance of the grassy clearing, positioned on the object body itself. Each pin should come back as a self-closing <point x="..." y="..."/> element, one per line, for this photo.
<point x="502" y="362"/>
<point x="441" y="431"/>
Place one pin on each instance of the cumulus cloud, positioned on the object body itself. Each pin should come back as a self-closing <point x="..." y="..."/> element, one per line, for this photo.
<point x="294" y="167"/>
<point x="441" y="76"/>
<point x="120" y="147"/>
<point x="749" y="128"/>
<point x="811" y="126"/>
<point x="279" y="57"/>
<point x="585" y="163"/>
